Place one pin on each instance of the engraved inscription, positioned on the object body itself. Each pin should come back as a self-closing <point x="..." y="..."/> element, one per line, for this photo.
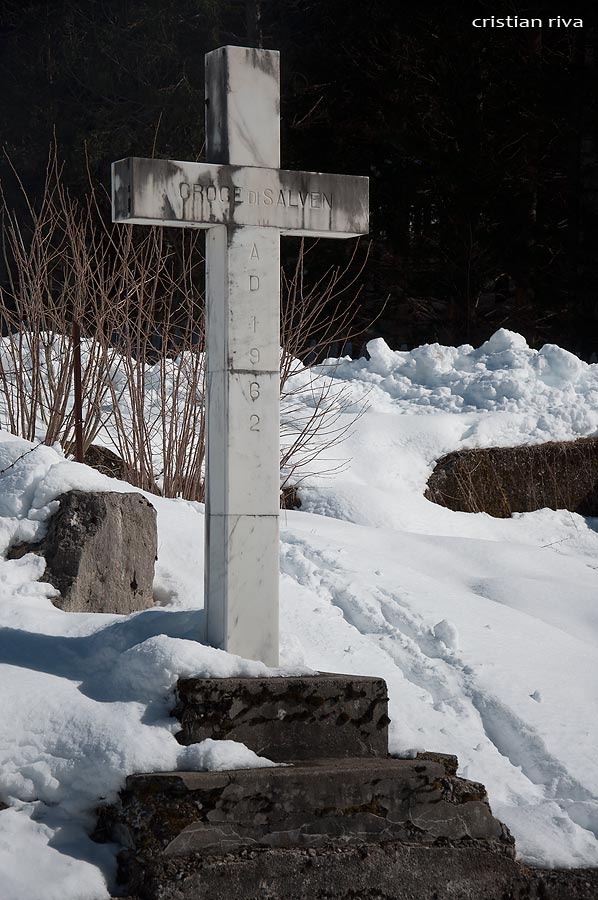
<point x="254" y="252"/>
<point x="204" y="195"/>
<point x="255" y="421"/>
<point x="225" y="194"/>
<point x="254" y="282"/>
<point x="254" y="390"/>
<point x="254" y="355"/>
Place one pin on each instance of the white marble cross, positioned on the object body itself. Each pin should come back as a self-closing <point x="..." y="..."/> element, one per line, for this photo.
<point x="246" y="201"/>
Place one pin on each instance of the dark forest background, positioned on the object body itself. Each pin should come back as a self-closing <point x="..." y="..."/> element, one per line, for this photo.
<point x="481" y="144"/>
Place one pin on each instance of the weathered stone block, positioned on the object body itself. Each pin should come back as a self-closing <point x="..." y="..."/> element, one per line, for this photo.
<point x="560" y="884"/>
<point x="295" y="718"/>
<point x="320" y="804"/>
<point x="504" y="480"/>
<point x="100" y="551"/>
<point x="391" y="871"/>
<point x="106" y="462"/>
<point x="449" y="762"/>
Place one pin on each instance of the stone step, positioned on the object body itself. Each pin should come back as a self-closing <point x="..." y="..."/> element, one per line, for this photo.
<point x="314" y="716"/>
<point x="357" y="829"/>
<point x="308" y="805"/>
<point x="392" y="871"/>
<point x="353" y="828"/>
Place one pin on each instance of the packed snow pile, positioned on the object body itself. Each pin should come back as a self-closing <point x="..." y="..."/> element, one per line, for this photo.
<point x="504" y="374"/>
<point x="485" y="630"/>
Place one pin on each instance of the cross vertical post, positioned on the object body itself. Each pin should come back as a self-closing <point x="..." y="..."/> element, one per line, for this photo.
<point x="243" y="369"/>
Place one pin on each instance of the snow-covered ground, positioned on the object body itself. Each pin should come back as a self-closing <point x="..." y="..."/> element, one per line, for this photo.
<point x="486" y="630"/>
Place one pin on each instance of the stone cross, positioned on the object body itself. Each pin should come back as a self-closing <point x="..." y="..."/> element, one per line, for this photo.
<point x="246" y="201"/>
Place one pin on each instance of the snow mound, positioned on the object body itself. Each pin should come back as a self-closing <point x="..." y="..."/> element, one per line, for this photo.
<point x="552" y="387"/>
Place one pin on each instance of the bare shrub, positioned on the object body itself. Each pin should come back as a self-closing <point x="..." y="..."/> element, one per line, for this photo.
<point x="153" y="340"/>
<point x="134" y="296"/>
<point x="313" y="407"/>
<point x="44" y="298"/>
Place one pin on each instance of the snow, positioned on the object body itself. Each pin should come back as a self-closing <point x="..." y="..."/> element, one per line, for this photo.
<point x="220" y="756"/>
<point x="551" y="387"/>
<point x="486" y="630"/>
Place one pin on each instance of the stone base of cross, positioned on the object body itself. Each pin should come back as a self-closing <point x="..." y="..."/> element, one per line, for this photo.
<point x="246" y="201"/>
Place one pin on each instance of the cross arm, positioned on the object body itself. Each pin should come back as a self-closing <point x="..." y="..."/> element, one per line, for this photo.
<point x="202" y="195"/>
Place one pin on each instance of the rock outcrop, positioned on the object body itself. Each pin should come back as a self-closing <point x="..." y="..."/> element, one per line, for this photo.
<point x="504" y="480"/>
<point x="100" y="551"/>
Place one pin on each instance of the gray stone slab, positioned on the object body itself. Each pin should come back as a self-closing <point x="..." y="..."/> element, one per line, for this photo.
<point x="295" y="718"/>
<point x="311" y="805"/>
<point x="393" y="871"/>
<point x="100" y="551"/>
